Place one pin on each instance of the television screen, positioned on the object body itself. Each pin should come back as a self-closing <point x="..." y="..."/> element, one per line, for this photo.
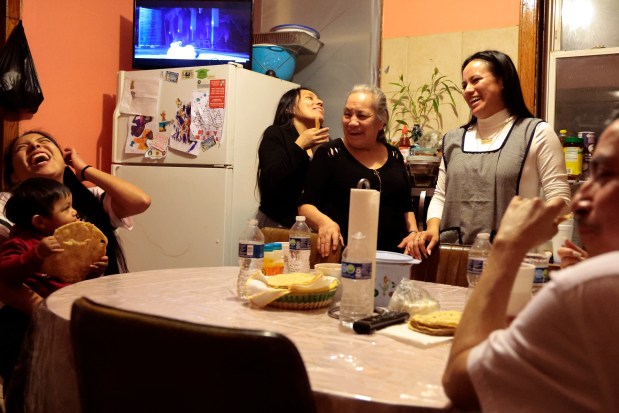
<point x="179" y="33"/>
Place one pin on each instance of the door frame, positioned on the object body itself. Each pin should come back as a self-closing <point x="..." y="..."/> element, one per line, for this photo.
<point x="11" y="15"/>
<point x="530" y="53"/>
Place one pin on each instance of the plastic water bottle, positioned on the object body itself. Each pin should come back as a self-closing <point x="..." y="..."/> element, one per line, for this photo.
<point x="540" y="259"/>
<point x="357" y="288"/>
<point x="251" y="255"/>
<point x="478" y="255"/>
<point x="299" y="245"/>
<point x="285" y="256"/>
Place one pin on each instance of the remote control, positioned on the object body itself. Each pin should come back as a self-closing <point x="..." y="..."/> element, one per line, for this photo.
<point x="369" y="324"/>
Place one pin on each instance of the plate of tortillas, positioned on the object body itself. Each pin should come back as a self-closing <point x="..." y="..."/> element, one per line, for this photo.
<point x="425" y="330"/>
<point x="83" y="244"/>
<point x="436" y="323"/>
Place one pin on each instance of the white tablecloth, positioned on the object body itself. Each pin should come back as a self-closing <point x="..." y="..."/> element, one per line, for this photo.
<point x="348" y="372"/>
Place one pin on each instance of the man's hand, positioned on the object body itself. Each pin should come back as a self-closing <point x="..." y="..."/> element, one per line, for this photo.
<point x="529" y="222"/>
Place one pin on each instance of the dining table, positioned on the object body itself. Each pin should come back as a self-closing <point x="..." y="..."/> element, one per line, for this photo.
<point x="348" y="372"/>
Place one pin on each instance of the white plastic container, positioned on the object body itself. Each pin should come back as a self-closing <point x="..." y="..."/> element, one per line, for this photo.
<point x="391" y="267"/>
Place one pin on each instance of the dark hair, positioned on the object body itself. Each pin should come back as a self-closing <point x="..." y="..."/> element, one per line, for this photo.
<point x="284" y="114"/>
<point x="502" y="67"/>
<point x="34" y="196"/>
<point x="88" y="207"/>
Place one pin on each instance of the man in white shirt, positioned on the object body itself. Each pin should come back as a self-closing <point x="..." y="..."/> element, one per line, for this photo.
<point x="560" y="353"/>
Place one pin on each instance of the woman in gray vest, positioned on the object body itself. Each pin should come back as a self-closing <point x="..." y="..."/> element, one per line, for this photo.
<point x="501" y="152"/>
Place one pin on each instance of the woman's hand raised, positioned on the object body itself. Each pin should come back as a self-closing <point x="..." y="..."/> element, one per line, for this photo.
<point x="313" y="137"/>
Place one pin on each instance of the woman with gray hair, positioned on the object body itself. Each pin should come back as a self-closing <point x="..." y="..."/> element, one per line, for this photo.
<point x="363" y="152"/>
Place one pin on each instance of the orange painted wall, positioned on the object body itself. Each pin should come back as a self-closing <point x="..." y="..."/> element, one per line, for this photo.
<point x="78" y="47"/>
<point x="405" y="18"/>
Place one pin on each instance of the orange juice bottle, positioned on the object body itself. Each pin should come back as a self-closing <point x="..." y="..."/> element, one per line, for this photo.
<point x="267" y="266"/>
<point x="278" y="258"/>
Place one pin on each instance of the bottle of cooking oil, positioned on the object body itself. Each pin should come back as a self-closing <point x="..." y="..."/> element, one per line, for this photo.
<point x="572" y="148"/>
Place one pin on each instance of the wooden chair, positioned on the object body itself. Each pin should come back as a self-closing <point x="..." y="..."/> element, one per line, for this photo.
<point x="132" y="362"/>
<point x="272" y="234"/>
<point x="446" y="267"/>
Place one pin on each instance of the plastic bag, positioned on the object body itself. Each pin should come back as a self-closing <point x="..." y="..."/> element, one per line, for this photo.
<point x="412" y="299"/>
<point x="19" y="85"/>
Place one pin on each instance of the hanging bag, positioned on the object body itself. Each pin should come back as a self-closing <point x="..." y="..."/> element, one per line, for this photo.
<point x="20" y="90"/>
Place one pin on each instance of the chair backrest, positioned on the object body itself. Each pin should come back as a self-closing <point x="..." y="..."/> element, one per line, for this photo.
<point x="132" y="362"/>
<point x="446" y="267"/>
<point x="452" y="264"/>
<point x="272" y="234"/>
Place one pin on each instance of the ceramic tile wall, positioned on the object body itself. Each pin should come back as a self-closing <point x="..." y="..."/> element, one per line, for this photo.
<point x="416" y="57"/>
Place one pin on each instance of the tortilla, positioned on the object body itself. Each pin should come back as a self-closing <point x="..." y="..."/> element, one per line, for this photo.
<point x="437" y="323"/>
<point x="83" y="244"/>
<point x="286" y="281"/>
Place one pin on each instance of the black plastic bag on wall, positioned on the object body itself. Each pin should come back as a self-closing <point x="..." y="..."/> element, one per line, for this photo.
<point x="20" y="90"/>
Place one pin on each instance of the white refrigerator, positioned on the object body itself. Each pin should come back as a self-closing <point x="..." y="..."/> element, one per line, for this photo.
<point x="204" y="191"/>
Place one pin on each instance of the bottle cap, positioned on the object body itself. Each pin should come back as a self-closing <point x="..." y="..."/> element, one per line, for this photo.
<point x="300" y="218"/>
<point x="483" y="235"/>
<point x="573" y="139"/>
<point x="268" y="247"/>
<point x="563" y="131"/>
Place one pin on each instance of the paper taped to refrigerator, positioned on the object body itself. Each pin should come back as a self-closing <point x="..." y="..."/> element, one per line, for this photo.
<point x="140" y="97"/>
<point x="139" y="133"/>
<point x="206" y="122"/>
<point x="180" y="139"/>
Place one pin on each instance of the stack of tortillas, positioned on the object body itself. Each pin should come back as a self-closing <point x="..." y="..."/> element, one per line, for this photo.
<point x="83" y="244"/>
<point x="296" y="281"/>
<point x="437" y="323"/>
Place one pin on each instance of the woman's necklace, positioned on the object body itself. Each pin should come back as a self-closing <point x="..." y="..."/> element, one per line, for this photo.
<point x="488" y="141"/>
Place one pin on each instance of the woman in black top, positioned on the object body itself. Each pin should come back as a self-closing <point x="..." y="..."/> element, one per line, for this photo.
<point x="284" y="155"/>
<point x="339" y="165"/>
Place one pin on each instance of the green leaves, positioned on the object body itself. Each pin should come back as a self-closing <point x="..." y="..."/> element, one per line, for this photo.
<point x="421" y="105"/>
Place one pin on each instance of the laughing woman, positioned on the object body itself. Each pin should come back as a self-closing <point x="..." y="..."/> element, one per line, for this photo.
<point x="108" y="205"/>
<point x="284" y="155"/>
<point x="501" y="152"/>
<point x="363" y="152"/>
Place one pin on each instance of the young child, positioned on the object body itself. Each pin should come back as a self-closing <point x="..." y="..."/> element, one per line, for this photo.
<point x="37" y="207"/>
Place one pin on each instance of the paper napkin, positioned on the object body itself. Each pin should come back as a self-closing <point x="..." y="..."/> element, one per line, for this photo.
<point x="402" y="333"/>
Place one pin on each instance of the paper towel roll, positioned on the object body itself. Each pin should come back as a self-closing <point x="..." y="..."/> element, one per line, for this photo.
<point x="363" y="217"/>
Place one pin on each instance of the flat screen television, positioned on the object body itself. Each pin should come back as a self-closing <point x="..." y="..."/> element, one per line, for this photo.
<point x="180" y="33"/>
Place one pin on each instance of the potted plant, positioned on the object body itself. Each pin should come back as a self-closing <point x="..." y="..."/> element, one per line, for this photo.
<point x="422" y="106"/>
